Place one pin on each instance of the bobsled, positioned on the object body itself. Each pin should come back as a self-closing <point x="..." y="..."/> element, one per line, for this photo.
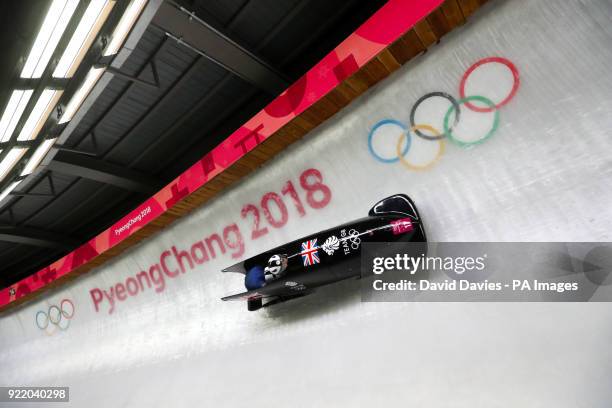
<point x="297" y="268"/>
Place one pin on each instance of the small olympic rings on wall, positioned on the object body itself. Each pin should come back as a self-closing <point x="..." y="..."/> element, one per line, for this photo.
<point x="56" y="317"/>
<point x="450" y="120"/>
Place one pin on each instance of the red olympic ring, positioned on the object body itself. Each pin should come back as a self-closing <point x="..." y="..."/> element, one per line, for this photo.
<point x="62" y="308"/>
<point x="483" y="61"/>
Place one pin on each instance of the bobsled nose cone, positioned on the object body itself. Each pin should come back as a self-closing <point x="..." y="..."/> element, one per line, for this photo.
<point x="398" y="204"/>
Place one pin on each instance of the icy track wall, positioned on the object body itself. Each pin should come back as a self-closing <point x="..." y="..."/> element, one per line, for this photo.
<point x="142" y="332"/>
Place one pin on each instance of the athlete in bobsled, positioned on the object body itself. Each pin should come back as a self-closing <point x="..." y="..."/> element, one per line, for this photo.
<point x="297" y="268"/>
<point x="257" y="277"/>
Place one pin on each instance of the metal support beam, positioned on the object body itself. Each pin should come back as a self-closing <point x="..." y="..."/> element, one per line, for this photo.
<point x="77" y="151"/>
<point x="34" y="237"/>
<point x="79" y="165"/>
<point x="33" y="83"/>
<point x="187" y="29"/>
<point x="154" y="84"/>
<point x="94" y="141"/>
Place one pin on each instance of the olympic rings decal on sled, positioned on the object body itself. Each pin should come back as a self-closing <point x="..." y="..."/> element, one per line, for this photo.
<point x="55" y="317"/>
<point x="450" y="121"/>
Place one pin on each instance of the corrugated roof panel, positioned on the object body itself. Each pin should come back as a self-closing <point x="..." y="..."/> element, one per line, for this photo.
<point x="259" y="18"/>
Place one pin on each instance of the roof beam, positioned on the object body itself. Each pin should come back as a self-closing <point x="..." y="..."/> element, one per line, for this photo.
<point x="33" y="83"/>
<point x="80" y="165"/>
<point x="187" y="29"/>
<point x="34" y="237"/>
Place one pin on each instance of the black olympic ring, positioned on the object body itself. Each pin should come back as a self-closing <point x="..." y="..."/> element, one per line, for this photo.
<point x="55" y="315"/>
<point x="444" y="95"/>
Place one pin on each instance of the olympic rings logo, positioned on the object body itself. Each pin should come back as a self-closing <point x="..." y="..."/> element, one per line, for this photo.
<point x="353" y="236"/>
<point x="450" y="119"/>
<point x="56" y="317"/>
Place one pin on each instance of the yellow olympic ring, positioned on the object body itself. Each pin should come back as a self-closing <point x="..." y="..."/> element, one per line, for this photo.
<point x="441" y="148"/>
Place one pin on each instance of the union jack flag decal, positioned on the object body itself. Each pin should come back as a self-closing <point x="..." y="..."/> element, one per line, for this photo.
<point x="310" y="252"/>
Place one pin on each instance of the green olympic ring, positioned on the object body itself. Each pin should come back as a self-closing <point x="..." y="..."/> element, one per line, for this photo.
<point x="448" y="131"/>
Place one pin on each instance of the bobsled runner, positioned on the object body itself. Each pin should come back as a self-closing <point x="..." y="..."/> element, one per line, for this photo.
<point x="295" y="269"/>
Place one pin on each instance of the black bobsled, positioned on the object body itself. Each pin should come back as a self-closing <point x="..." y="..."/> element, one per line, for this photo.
<point x="297" y="268"/>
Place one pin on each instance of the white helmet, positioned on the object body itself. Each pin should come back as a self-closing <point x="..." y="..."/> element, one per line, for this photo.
<point x="276" y="265"/>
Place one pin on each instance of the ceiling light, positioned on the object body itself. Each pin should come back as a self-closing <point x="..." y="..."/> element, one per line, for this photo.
<point x="38" y="156"/>
<point x="9" y="161"/>
<point x="79" y="96"/>
<point x="128" y="19"/>
<point x="50" y="33"/>
<point x="14" y="109"/>
<point x="45" y="104"/>
<point x="9" y="189"/>
<point x="94" y="17"/>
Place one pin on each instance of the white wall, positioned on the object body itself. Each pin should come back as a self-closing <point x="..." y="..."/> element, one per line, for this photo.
<point x="545" y="175"/>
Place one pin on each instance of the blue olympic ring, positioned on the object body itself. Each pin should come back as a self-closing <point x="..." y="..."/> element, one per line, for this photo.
<point x="383" y="123"/>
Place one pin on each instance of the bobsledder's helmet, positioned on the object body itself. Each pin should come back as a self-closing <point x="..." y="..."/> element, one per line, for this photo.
<point x="255" y="278"/>
<point x="276" y="266"/>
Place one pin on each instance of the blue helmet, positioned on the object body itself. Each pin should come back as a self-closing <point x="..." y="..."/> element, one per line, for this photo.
<point x="255" y="278"/>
